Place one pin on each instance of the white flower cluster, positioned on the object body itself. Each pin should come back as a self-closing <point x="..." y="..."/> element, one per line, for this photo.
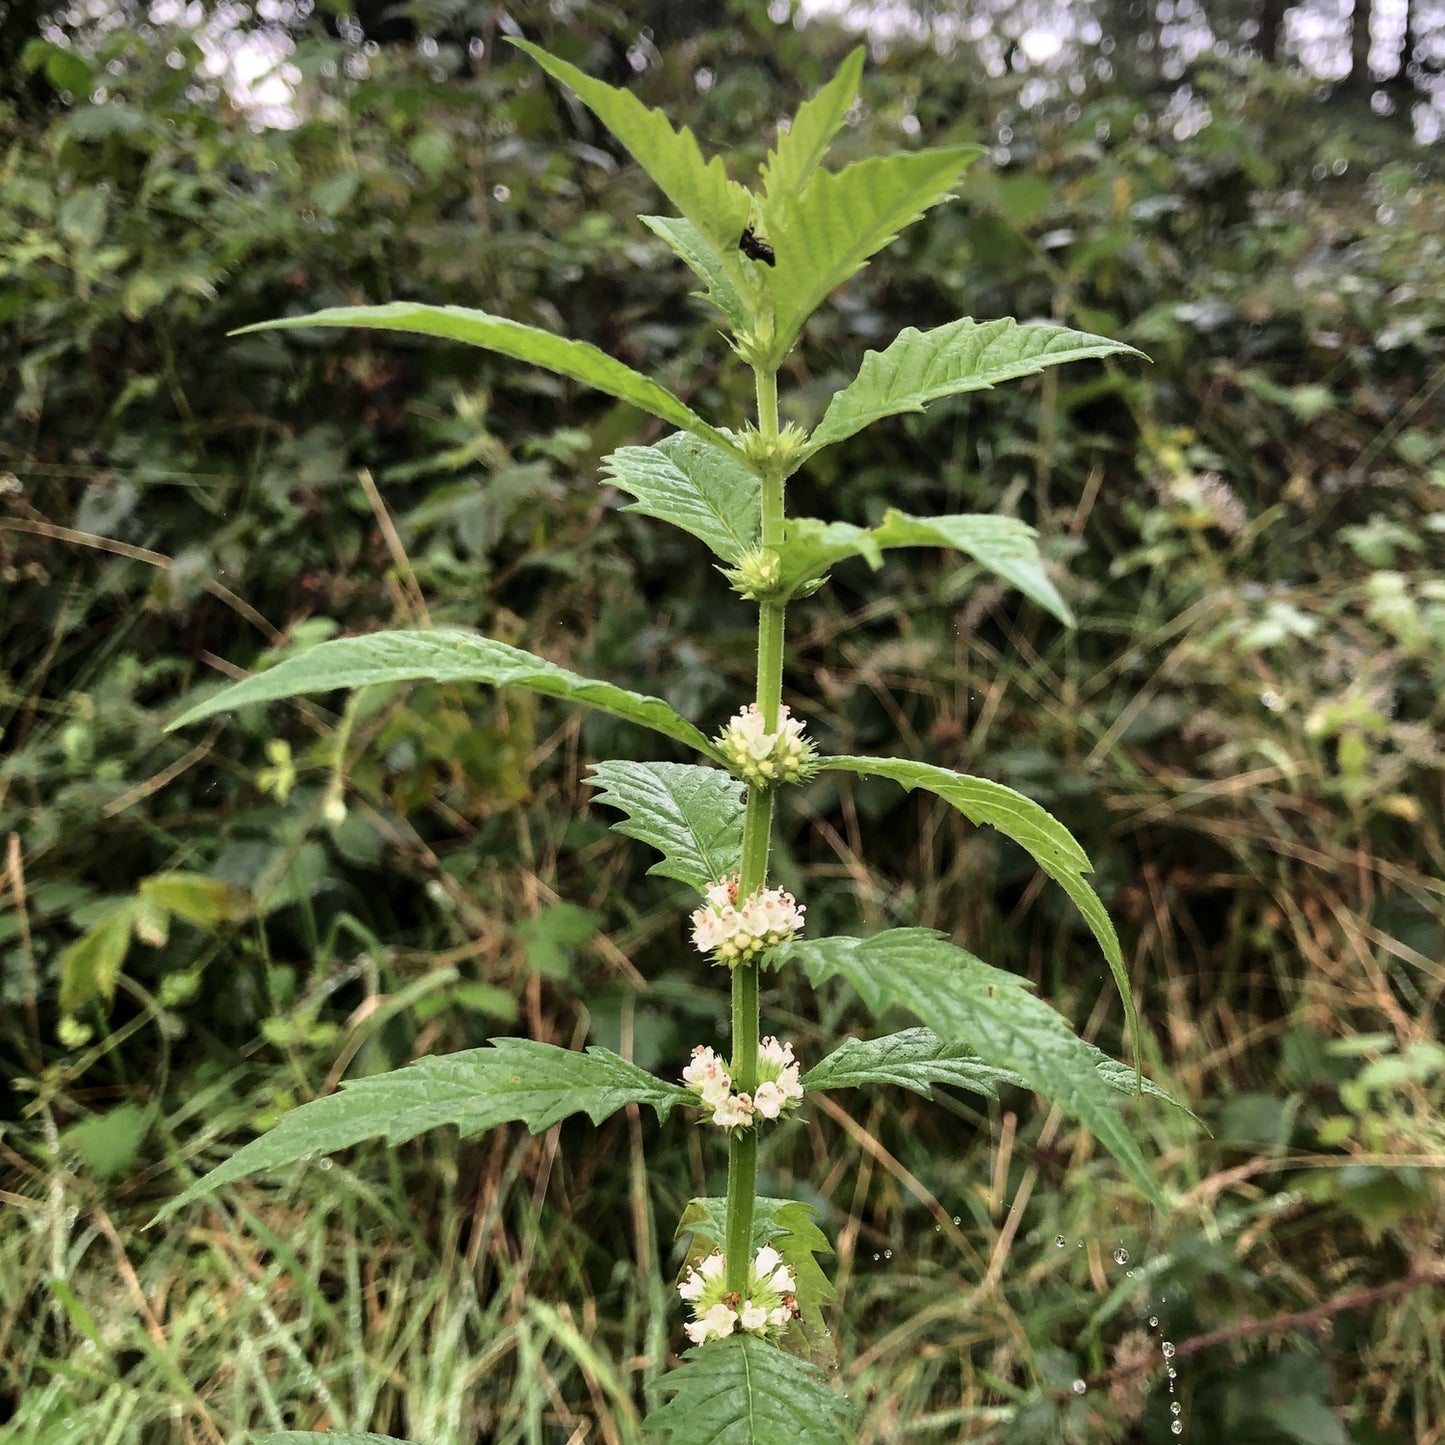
<point x="736" y="932"/>
<point x="779" y="1085"/>
<point x="761" y="758"/>
<point x="767" y="1304"/>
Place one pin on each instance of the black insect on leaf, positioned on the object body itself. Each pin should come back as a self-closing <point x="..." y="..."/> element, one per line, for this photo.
<point x="755" y="249"/>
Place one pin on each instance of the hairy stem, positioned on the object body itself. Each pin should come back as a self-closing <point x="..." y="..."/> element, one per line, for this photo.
<point x="757" y="831"/>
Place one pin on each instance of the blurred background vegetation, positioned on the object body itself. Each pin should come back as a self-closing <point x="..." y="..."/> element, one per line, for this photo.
<point x="1245" y="731"/>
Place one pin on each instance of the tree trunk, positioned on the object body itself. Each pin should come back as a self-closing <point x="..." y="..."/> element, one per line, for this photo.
<point x="1271" y="24"/>
<point x="1359" y="78"/>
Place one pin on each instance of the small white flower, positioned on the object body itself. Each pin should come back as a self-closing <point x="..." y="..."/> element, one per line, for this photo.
<point x="778" y="1317"/>
<point x="769" y="1099"/>
<point x="735" y="1112"/>
<point x="717" y="1323"/>
<point x="766" y="1260"/>
<point x="753" y="1317"/>
<point x="782" y="1280"/>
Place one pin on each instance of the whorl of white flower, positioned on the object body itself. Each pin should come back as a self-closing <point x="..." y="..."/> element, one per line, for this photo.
<point x="762" y="758"/>
<point x="779" y="1085"/>
<point x="736" y="932"/>
<point x="765" y="1306"/>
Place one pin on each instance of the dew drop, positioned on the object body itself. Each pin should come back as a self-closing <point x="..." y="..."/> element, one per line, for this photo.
<point x="1153" y="1322"/>
<point x="887" y="1254"/>
<point x="1128" y="1274"/>
<point x="875" y="1259"/>
<point x="1173" y="1374"/>
<point x="1168" y="1349"/>
<point x="1079" y="1387"/>
<point x="323" y="1164"/>
<point x="501" y="194"/>
<point x="1059" y="1241"/>
<point x="1177" y="1428"/>
<point x="1121" y="1255"/>
<point x="957" y="1220"/>
<point x="1175" y="1408"/>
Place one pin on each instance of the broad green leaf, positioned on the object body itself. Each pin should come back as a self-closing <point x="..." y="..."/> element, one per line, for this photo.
<point x="829" y="229"/>
<point x="993" y="1011"/>
<point x="109" y="1143"/>
<point x="579" y="360"/>
<point x="1053" y="847"/>
<point x="801" y="148"/>
<point x="90" y="967"/>
<point x="708" y="264"/>
<point x="442" y="654"/>
<point x="694" y="486"/>
<point x="918" y="367"/>
<point x="1004" y="545"/>
<point x="701" y="190"/>
<point x="693" y="816"/>
<point x="743" y="1391"/>
<point x="917" y="1059"/>
<point x="477" y="1089"/>
<point x="196" y="898"/>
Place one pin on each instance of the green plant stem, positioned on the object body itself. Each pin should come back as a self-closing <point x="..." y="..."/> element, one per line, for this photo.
<point x="753" y="874"/>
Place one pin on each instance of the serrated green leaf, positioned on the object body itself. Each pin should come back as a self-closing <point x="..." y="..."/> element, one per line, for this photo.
<point x="441" y="654"/>
<point x="801" y="148"/>
<point x="701" y="190"/>
<point x="993" y="1011"/>
<point x="743" y="1391"/>
<point x="1051" y="844"/>
<point x="693" y="816"/>
<point x="1004" y="545"/>
<point x="196" y="898"/>
<point x="579" y="360"/>
<point x="917" y="1059"/>
<point x="707" y="264"/>
<point x="109" y="1143"/>
<point x="918" y="367"/>
<point x="90" y="967"/>
<point x="829" y="229"/>
<point x="694" y="486"/>
<point x="477" y="1089"/>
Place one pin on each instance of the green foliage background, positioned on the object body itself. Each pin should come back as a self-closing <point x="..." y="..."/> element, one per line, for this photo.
<point x="1244" y="733"/>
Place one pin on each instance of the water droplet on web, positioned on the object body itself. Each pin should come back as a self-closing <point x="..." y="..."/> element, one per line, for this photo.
<point x="887" y="1254"/>
<point x="323" y="1164"/>
<point x="875" y="1259"/>
<point x="1128" y="1274"/>
<point x="1079" y="1387"/>
<point x="1175" y="1408"/>
<point x="1173" y="1374"/>
<point x="957" y="1220"/>
<point x="1168" y="1349"/>
<point x="1059" y="1241"/>
<point x="1177" y="1428"/>
<point x="1153" y="1322"/>
<point x="1121" y="1255"/>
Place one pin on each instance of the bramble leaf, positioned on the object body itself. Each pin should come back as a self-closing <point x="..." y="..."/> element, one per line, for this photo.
<point x="963" y="998"/>
<point x="442" y="654"/>
<point x="701" y="190"/>
<point x="743" y="1391"/>
<point x="683" y="480"/>
<point x="477" y="1089"/>
<point x="830" y="228"/>
<point x="691" y="815"/>
<point x="918" y="367"/>
<point x="1003" y="545"/>
<point x="1053" y="847"/>
<point x="579" y="360"/>
<point x="800" y="149"/>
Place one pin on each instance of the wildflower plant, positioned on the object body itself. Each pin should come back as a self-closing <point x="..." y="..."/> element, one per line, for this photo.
<point x="753" y="1291"/>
